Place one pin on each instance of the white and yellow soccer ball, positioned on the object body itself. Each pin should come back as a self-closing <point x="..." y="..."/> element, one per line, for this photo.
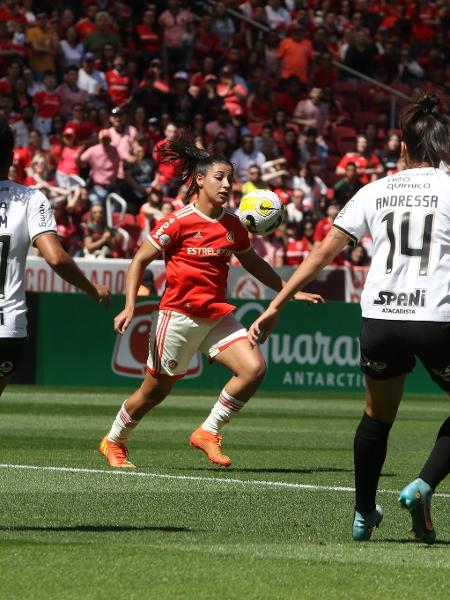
<point x="261" y="212"/>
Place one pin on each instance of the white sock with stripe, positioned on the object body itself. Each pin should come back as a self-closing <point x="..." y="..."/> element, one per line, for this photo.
<point x="225" y="407"/>
<point x="122" y="427"/>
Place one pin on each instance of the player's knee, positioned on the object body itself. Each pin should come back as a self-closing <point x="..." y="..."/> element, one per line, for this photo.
<point x="256" y="370"/>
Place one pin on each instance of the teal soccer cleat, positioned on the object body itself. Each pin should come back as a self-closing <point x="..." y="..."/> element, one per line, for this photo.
<point x="416" y="497"/>
<point x="363" y="525"/>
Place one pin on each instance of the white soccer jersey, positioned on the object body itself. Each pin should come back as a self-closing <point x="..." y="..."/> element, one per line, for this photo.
<point x="408" y="216"/>
<point x="25" y="214"/>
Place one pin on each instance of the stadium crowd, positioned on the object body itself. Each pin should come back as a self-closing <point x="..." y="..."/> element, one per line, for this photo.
<point x="93" y="89"/>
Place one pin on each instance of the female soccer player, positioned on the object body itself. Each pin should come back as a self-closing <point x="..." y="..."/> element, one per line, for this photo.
<point x="198" y="241"/>
<point x="26" y="218"/>
<point x="405" y="304"/>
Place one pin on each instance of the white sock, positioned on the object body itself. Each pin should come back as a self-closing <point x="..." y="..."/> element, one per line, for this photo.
<point x="121" y="428"/>
<point x="225" y="407"/>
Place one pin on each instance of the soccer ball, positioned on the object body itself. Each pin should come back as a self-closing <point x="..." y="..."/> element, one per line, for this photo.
<point x="261" y="212"/>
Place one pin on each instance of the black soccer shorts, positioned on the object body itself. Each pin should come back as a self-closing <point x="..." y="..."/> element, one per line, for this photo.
<point x="11" y="355"/>
<point x="389" y="349"/>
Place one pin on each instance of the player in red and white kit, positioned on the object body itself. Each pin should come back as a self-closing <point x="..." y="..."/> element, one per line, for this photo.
<point x="198" y="242"/>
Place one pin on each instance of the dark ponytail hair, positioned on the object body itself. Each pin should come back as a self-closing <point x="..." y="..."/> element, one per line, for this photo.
<point x="193" y="161"/>
<point x="426" y="131"/>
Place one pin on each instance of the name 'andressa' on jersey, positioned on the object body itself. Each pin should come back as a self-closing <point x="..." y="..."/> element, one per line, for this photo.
<point x="408" y="201"/>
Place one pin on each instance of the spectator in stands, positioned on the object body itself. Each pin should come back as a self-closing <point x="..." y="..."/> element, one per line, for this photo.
<point x="99" y="239"/>
<point x="409" y="70"/>
<point x="118" y="82"/>
<point x="313" y="188"/>
<point x="295" y="208"/>
<point x="290" y="149"/>
<point x="356" y="256"/>
<point x="277" y="16"/>
<point x="311" y="112"/>
<point x="91" y="81"/>
<point x="152" y="210"/>
<point x="181" y="103"/>
<point x="47" y="102"/>
<point x="67" y="164"/>
<point x="222" y="146"/>
<point x="361" y="53"/>
<point x="223" y="25"/>
<point x="259" y="103"/>
<point x="103" y="161"/>
<point x="206" y="39"/>
<point x="390" y="155"/>
<point x="166" y="177"/>
<point x="323" y="227"/>
<point x="313" y="147"/>
<point x="69" y="92"/>
<point x="232" y="92"/>
<point x="299" y="242"/>
<point x="95" y="41"/>
<point x="139" y="176"/>
<point x="65" y="229"/>
<point x="295" y="54"/>
<point x="177" y="25"/>
<point x="266" y="143"/>
<point x="148" y="36"/>
<point x="368" y="164"/>
<point x="222" y="125"/>
<point x="346" y="188"/>
<point x="254" y="180"/>
<point x="270" y="248"/>
<point x="87" y="24"/>
<point x="71" y="48"/>
<point x="43" y="45"/>
<point x="38" y="178"/>
<point x="244" y="157"/>
<point x="123" y="137"/>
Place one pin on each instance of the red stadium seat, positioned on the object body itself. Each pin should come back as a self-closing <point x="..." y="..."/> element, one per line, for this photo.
<point x="346" y="144"/>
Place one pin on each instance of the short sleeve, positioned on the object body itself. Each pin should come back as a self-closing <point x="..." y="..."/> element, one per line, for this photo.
<point x="86" y="155"/>
<point x="242" y="240"/>
<point x="165" y="233"/>
<point x="40" y="217"/>
<point x="352" y="219"/>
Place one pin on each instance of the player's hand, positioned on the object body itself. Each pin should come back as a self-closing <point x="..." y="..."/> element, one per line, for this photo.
<point x="310" y="298"/>
<point x="260" y="329"/>
<point x="123" y="319"/>
<point x="102" y="294"/>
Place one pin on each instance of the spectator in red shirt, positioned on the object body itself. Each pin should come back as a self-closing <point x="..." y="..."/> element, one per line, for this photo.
<point x="166" y="172"/>
<point x="300" y="242"/>
<point x="259" y="103"/>
<point x="207" y="41"/>
<point x="84" y="127"/>
<point x="148" y="35"/>
<point x="368" y="164"/>
<point x="47" y="102"/>
<point x="118" y="82"/>
<point x="87" y="25"/>
<point x="324" y="226"/>
<point x="67" y="164"/>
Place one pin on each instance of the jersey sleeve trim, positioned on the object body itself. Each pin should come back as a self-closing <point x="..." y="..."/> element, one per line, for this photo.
<point x="38" y="235"/>
<point x="242" y="251"/>
<point x="353" y="239"/>
<point x="152" y="241"/>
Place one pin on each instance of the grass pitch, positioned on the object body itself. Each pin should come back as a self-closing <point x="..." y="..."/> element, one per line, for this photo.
<point x="276" y="525"/>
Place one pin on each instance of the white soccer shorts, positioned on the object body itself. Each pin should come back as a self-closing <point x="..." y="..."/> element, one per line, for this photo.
<point x="175" y="338"/>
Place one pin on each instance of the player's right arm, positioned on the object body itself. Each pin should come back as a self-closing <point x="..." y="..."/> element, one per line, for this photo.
<point x="64" y="265"/>
<point x="146" y="253"/>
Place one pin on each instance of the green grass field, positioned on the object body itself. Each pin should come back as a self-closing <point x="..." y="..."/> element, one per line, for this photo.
<point x="276" y="525"/>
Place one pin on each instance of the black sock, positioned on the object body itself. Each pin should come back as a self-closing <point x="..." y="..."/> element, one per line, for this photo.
<point x="437" y="466"/>
<point x="369" y="449"/>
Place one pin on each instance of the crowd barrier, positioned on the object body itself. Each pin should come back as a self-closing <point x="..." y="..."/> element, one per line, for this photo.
<point x="334" y="283"/>
<point x="314" y="347"/>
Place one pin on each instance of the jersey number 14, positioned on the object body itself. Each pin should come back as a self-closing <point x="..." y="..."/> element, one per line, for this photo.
<point x="422" y="252"/>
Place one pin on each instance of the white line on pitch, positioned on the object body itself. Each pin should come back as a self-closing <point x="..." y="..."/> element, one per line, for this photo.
<point x="226" y="480"/>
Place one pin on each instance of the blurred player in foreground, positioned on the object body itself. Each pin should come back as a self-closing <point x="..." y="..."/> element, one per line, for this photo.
<point x="405" y="305"/>
<point x="26" y="218"/>
<point x="198" y="241"/>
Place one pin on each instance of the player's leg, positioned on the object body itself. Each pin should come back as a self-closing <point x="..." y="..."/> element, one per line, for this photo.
<point x="228" y="345"/>
<point x="416" y="496"/>
<point x="384" y="360"/>
<point x="171" y="346"/>
<point x="3" y="383"/>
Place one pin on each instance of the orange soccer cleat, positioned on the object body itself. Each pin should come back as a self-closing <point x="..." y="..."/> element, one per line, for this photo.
<point x="116" y="454"/>
<point x="210" y="444"/>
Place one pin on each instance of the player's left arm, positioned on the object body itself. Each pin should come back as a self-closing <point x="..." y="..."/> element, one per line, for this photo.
<point x="259" y="268"/>
<point x="306" y="272"/>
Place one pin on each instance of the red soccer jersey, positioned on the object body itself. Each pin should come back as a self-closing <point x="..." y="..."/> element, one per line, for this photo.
<point x="197" y="251"/>
<point x="48" y="104"/>
<point x="118" y="86"/>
